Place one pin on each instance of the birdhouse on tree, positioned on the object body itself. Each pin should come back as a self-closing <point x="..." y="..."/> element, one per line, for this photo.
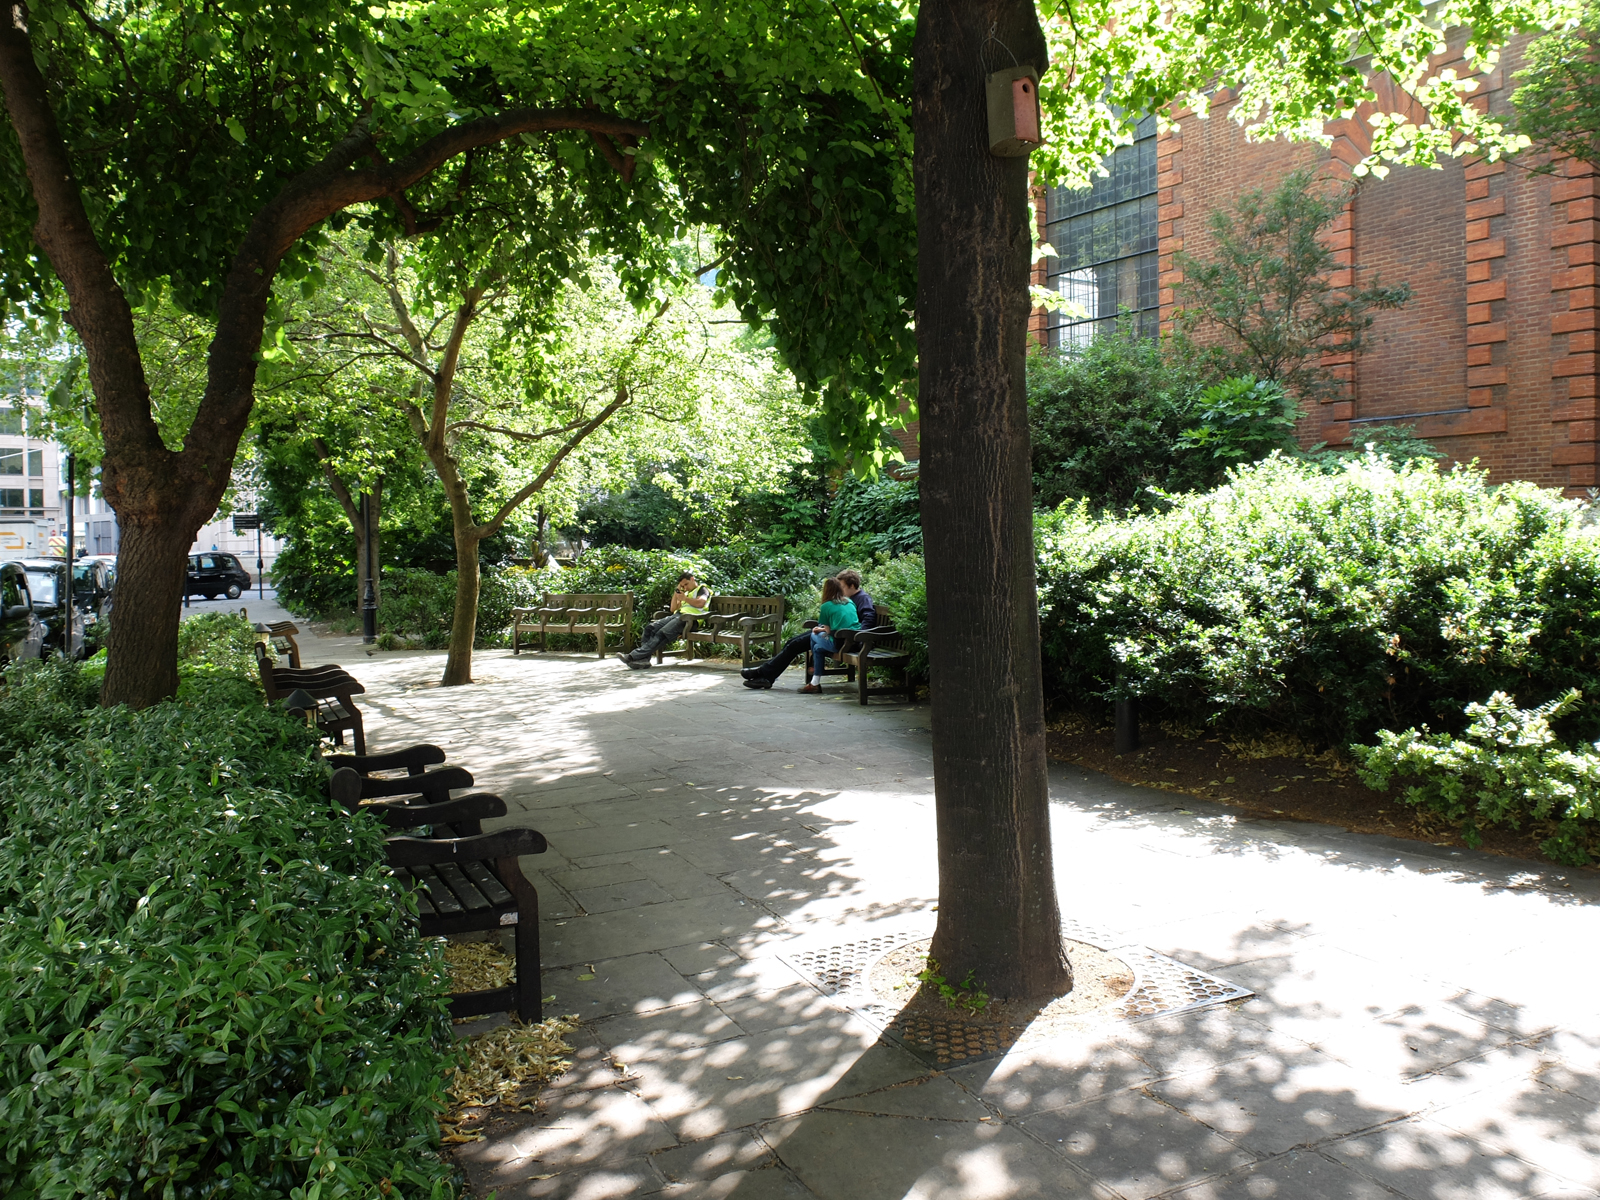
<point x="1013" y="111"/>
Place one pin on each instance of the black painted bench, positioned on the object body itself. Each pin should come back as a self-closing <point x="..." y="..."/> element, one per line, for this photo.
<point x="464" y="880"/>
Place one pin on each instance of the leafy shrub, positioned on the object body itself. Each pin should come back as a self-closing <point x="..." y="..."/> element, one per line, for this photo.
<point x="1106" y="421"/>
<point x="1328" y="603"/>
<point x="40" y="700"/>
<point x="901" y="586"/>
<point x="210" y="987"/>
<point x="877" y="516"/>
<point x="1506" y="768"/>
<point x="1242" y="419"/>
<point x="223" y="641"/>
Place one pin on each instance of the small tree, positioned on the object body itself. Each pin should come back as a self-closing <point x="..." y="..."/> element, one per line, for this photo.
<point x="1558" y="108"/>
<point x="1268" y="288"/>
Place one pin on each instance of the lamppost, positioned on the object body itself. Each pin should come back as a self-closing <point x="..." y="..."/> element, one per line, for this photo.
<point x="72" y="535"/>
<point x="369" y="591"/>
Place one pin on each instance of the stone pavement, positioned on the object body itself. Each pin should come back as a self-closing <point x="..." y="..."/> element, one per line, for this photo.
<point x="1426" y="1022"/>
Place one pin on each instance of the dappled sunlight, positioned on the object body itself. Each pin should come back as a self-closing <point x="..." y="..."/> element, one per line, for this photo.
<point x="1418" y="1023"/>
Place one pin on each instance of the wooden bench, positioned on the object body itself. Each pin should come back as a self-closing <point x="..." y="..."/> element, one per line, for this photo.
<point x="331" y="687"/>
<point x="883" y="647"/>
<point x="282" y="634"/>
<point x="588" y="614"/>
<point x="464" y="880"/>
<point x="742" y="621"/>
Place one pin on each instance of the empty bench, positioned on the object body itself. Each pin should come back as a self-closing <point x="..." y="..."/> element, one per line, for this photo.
<point x="601" y="615"/>
<point x="331" y="687"/>
<point x="464" y="881"/>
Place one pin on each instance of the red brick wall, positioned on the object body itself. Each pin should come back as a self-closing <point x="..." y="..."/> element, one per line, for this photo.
<point x="1499" y="339"/>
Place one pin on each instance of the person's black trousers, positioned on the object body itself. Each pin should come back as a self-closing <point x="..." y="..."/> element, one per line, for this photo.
<point x="796" y="647"/>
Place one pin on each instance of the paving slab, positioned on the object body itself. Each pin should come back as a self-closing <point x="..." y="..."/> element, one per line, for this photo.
<point x="1422" y="1025"/>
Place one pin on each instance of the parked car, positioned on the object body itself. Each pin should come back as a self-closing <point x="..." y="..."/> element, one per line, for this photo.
<point x="47" y="581"/>
<point x="213" y="575"/>
<point x="21" y="632"/>
<point x="93" y="578"/>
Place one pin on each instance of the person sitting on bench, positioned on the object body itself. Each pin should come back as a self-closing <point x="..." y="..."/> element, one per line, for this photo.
<point x="690" y="600"/>
<point x="836" y="615"/>
<point x="764" y="675"/>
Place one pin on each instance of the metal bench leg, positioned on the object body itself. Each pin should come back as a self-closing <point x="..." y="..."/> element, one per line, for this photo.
<point x="863" y="685"/>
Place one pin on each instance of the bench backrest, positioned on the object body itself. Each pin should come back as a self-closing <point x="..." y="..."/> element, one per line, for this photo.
<point x="748" y="606"/>
<point x="622" y="600"/>
<point x="885" y="617"/>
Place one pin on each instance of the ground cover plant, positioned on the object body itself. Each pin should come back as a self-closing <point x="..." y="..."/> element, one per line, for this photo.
<point x="1507" y="767"/>
<point x="211" y="987"/>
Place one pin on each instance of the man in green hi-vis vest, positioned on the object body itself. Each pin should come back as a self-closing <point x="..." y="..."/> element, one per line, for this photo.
<point x="690" y="600"/>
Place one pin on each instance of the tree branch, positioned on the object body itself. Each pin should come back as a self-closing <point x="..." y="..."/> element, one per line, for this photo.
<point x="340" y="491"/>
<point x="589" y="426"/>
<point x="518" y="434"/>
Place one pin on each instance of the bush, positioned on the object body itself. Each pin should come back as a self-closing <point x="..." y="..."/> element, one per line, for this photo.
<point x="1507" y="768"/>
<point x="221" y="641"/>
<point x="877" y="516"/>
<point x="1330" y="602"/>
<point x="41" y="700"/>
<point x="1106" y="421"/>
<point x="901" y="586"/>
<point x="211" y="987"/>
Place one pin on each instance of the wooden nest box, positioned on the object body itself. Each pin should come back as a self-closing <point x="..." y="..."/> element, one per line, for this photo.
<point x="1013" y="111"/>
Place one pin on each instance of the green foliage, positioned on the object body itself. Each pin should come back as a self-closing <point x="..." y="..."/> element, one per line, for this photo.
<point x="212" y="987"/>
<point x="1558" y="105"/>
<point x="1242" y="419"/>
<point x="1327" y="602"/>
<point x="1269" y="288"/>
<point x="219" y="641"/>
<point x="1106" y="422"/>
<point x="901" y="586"/>
<point x="969" y="995"/>
<point x="1506" y="768"/>
<point x="419" y="605"/>
<point x="40" y="699"/>
<point x="875" y="516"/>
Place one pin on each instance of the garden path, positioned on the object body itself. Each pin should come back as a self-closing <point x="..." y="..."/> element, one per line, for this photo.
<point x="1425" y="1023"/>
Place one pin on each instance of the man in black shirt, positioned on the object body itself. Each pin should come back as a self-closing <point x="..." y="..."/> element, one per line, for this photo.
<point x="764" y="675"/>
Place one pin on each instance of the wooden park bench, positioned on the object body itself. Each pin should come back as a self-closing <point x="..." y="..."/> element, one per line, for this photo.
<point x="464" y="881"/>
<point x="743" y="621"/>
<point x="331" y="687"/>
<point x="589" y="614"/>
<point x="282" y="634"/>
<point x="881" y="646"/>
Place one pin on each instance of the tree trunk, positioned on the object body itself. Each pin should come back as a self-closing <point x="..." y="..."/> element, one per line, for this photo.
<point x="152" y="560"/>
<point x="998" y="919"/>
<point x="464" y="622"/>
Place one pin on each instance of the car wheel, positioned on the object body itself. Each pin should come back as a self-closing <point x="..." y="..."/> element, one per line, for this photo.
<point x="233" y="591"/>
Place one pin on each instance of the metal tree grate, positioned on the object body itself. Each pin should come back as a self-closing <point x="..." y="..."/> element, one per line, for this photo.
<point x="1162" y="986"/>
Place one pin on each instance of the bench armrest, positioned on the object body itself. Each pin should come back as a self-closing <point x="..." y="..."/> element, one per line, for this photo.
<point x="769" y="620"/>
<point x="397" y="815"/>
<point x="871" y="639"/>
<point x="506" y="843"/>
<point x="412" y="758"/>
<point x="323" y="689"/>
<point x="349" y="788"/>
<point x="552" y="612"/>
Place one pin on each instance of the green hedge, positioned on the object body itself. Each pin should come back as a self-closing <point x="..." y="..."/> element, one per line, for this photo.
<point x="210" y="987"/>
<point x="1331" y="602"/>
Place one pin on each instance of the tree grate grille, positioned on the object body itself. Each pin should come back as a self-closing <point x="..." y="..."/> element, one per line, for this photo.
<point x="1162" y="986"/>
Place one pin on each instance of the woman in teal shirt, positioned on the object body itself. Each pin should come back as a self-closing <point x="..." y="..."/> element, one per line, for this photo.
<point x="837" y="614"/>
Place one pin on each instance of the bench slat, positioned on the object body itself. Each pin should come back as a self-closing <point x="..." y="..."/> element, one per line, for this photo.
<point x="485" y="881"/>
<point x="425" y="906"/>
<point x="471" y="898"/>
<point x="443" y="898"/>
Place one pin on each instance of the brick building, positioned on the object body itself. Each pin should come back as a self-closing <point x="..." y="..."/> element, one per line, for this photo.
<point x="1493" y="359"/>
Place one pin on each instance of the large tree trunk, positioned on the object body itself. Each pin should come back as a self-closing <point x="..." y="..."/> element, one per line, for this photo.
<point x="998" y="918"/>
<point x="464" y="622"/>
<point x="152" y="560"/>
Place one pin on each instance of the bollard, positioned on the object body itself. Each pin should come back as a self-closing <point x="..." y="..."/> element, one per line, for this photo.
<point x="1127" y="721"/>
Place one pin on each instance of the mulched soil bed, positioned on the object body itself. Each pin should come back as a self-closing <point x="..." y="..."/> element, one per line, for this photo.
<point x="944" y="1035"/>
<point x="1271" y="778"/>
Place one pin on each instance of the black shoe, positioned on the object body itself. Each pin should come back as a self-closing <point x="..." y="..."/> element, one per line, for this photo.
<point x="758" y="682"/>
<point x="752" y="672"/>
